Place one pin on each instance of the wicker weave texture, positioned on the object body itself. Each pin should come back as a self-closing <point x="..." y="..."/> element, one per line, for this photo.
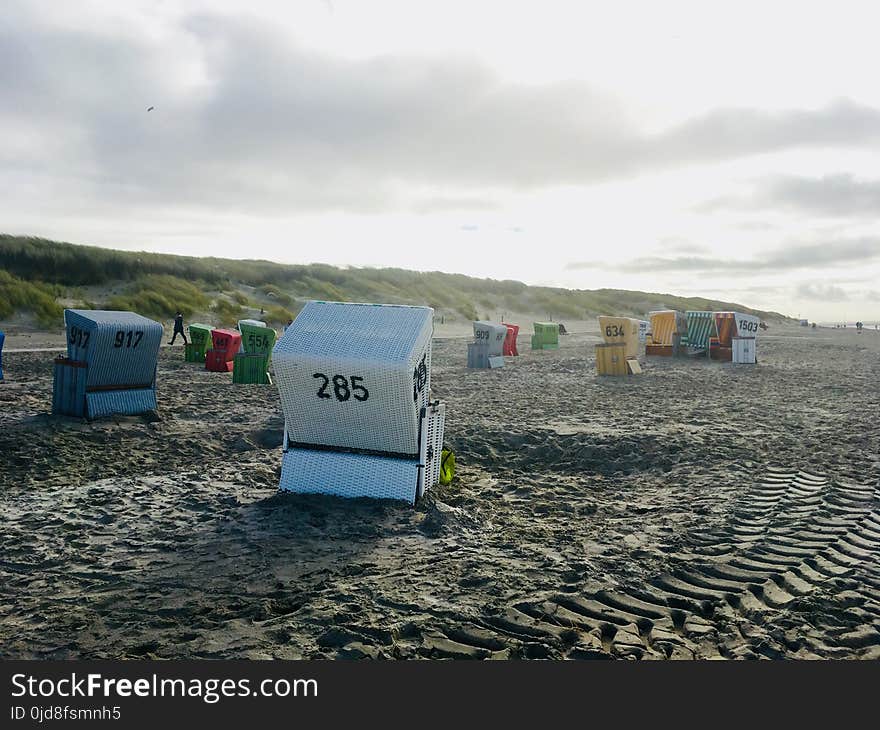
<point x="355" y="375"/>
<point x="251" y="368"/>
<point x="493" y="334"/>
<point x="120" y="348"/>
<point x="433" y="425"/>
<point x="69" y="389"/>
<point x="124" y="402"/>
<point x="349" y="475"/>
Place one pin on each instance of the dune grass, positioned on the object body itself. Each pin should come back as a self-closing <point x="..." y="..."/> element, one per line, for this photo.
<point x="160" y="296"/>
<point x="278" y="316"/>
<point x="227" y="313"/>
<point x="39" y="299"/>
<point x="156" y="284"/>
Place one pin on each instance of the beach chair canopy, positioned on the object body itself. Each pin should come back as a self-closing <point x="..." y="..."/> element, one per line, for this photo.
<point x="253" y="322"/>
<point x="621" y="331"/>
<point x="493" y="334"/>
<point x="735" y="324"/>
<point x="119" y="348"/>
<point x="200" y="335"/>
<point x="225" y="340"/>
<point x="355" y="376"/>
<point x="256" y="337"/>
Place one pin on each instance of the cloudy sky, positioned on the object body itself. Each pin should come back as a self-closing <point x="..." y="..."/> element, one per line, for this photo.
<point x="722" y="149"/>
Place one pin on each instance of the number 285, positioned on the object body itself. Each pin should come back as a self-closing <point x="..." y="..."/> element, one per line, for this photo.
<point x="343" y="388"/>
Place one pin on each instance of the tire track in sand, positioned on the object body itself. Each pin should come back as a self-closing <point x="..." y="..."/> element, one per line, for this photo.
<point x="794" y="573"/>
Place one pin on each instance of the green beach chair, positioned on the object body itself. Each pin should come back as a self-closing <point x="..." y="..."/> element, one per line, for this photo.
<point x="251" y="368"/>
<point x="546" y="336"/>
<point x="700" y="328"/>
<point x="257" y="339"/>
<point x="199" y="343"/>
<point x="252" y="364"/>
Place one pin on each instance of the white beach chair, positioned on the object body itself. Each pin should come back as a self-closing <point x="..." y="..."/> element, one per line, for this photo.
<point x="355" y="383"/>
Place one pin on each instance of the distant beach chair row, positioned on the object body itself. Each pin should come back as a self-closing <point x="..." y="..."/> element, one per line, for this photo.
<point x="244" y="352"/>
<point x="493" y="341"/>
<point x="727" y="336"/>
<point x="354" y="380"/>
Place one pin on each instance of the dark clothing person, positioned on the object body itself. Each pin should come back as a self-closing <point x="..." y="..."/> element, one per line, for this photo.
<point x="178" y="329"/>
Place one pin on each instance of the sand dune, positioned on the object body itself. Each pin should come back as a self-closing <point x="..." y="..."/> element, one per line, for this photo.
<point x="700" y="510"/>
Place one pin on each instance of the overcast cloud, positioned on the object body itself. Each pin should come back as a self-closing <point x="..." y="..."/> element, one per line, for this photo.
<point x="840" y="252"/>
<point x="272" y="125"/>
<point x="834" y="196"/>
<point x="250" y="120"/>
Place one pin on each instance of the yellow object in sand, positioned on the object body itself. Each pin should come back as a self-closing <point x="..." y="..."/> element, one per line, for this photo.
<point x="611" y="359"/>
<point x="447" y="466"/>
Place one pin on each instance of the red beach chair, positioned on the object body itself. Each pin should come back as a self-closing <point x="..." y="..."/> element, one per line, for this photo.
<point x="221" y="357"/>
<point x="510" y="340"/>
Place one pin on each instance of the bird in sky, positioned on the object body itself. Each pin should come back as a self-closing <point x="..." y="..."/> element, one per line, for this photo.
<point x="151" y="108"/>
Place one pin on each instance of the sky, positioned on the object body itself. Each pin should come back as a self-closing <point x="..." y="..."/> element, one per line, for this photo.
<point x="728" y="150"/>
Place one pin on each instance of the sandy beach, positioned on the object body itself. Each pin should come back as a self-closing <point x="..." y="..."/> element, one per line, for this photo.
<point x="700" y="510"/>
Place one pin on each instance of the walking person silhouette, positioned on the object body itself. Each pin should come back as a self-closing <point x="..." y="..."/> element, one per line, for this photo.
<point x="178" y="328"/>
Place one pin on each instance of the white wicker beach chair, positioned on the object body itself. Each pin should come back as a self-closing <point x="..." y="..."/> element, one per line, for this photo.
<point x="354" y="381"/>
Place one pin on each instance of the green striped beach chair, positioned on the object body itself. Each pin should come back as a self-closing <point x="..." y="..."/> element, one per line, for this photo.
<point x="700" y="327"/>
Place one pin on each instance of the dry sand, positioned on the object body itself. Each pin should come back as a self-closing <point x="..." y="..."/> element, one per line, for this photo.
<point x="699" y="510"/>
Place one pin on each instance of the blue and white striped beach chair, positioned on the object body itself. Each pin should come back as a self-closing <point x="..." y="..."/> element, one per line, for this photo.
<point x="110" y="366"/>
